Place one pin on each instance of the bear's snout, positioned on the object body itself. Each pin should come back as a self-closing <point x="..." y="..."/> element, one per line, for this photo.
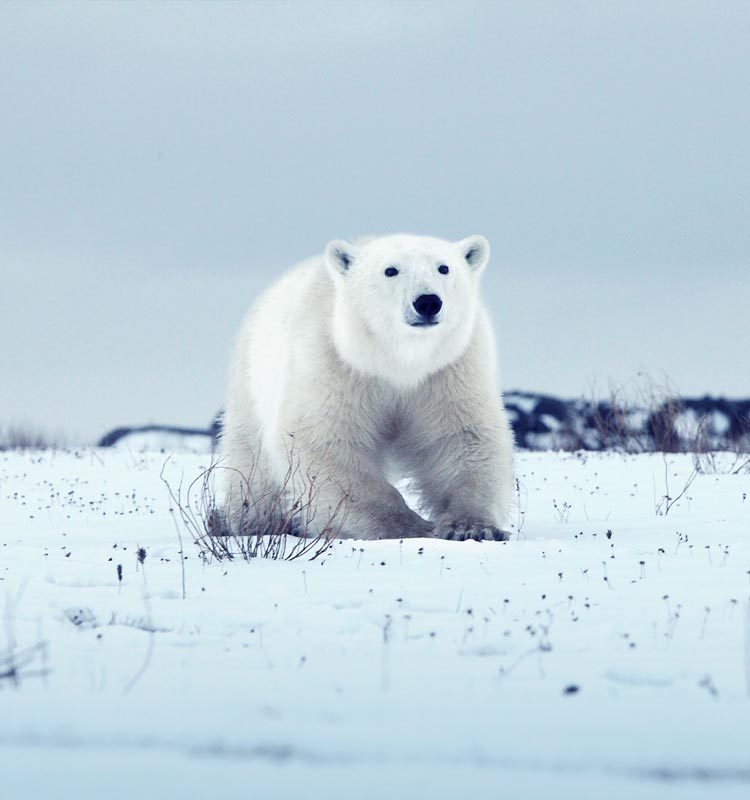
<point x="427" y="306"/>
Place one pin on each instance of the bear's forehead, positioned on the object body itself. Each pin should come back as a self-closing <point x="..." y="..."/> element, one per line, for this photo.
<point x="407" y="248"/>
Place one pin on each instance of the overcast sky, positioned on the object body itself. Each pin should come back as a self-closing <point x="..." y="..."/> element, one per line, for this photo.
<point x="161" y="163"/>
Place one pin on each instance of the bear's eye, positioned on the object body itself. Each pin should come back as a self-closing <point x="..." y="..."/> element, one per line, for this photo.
<point x="443" y="269"/>
<point x="391" y="272"/>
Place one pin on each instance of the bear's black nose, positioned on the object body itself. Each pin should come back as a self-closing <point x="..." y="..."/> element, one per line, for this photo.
<point x="427" y="305"/>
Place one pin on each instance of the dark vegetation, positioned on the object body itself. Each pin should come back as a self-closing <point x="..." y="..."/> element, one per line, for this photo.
<point x="646" y="424"/>
<point x="649" y="421"/>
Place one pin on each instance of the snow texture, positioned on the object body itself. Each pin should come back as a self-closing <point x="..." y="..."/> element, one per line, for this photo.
<point x="603" y="652"/>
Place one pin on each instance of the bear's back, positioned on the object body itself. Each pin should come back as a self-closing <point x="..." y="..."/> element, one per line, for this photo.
<point x="286" y="329"/>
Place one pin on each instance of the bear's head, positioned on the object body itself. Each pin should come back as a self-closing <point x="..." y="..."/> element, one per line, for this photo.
<point x="405" y="306"/>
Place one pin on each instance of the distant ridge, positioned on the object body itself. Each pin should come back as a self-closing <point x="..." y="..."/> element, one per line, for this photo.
<point x="545" y="422"/>
<point x="118" y="434"/>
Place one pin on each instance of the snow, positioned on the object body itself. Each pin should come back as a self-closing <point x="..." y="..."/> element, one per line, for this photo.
<point x="403" y="669"/>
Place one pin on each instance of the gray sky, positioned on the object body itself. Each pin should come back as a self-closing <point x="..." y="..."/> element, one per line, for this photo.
<point x="161" y="163"/>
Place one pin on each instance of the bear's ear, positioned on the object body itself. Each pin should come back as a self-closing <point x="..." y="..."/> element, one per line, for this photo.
<point x="476" y="251"/>
<point x="339" y="256"/>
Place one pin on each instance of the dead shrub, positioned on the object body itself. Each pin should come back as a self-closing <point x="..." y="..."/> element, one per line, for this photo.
<point x="645" y="416"/>
<point x="279" y="524"/>
<point x="17" y="437"/>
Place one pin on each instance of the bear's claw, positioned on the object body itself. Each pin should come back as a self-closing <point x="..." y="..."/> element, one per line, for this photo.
<point x="461" y="532"/>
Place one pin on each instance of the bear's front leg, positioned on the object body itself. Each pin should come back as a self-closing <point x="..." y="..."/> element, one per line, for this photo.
<point x="463" y="464"/>
<point x="366" y="507"/>
<point x="350" y="485"/>
<point x="376" y="510"/>
<point x="475" y="504"/>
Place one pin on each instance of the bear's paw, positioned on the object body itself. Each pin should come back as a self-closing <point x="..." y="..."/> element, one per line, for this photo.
<point x="461" y="531"/>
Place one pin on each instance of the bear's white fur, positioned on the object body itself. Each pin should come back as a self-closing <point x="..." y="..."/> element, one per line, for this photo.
<point x="335" y="375"/>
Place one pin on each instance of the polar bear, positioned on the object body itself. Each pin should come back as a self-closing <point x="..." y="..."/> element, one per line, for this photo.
<point x="371" y="361"/>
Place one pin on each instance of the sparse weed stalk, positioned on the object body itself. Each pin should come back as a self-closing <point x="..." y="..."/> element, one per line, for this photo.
<point x="562" y="511"/>
<point x="521" y="503"/>
<point x="26" y="662"/>
<point x="280" y="525"/>
<point x="709" y="462"/>
<point x="667" y="501"/>
<point x="19" y="663"/>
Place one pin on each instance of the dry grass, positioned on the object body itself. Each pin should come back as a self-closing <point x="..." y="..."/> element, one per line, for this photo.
<point x="646" y="416"/>
<point x="709" y="462"/>
<point x="279" y="525"/>
<point x="20" y="663"/>
<point x="638" y="417"/>
<point x="17" y="437"/>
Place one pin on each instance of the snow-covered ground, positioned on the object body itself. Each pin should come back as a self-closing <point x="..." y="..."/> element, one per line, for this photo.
<point x="603" y="652"/>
